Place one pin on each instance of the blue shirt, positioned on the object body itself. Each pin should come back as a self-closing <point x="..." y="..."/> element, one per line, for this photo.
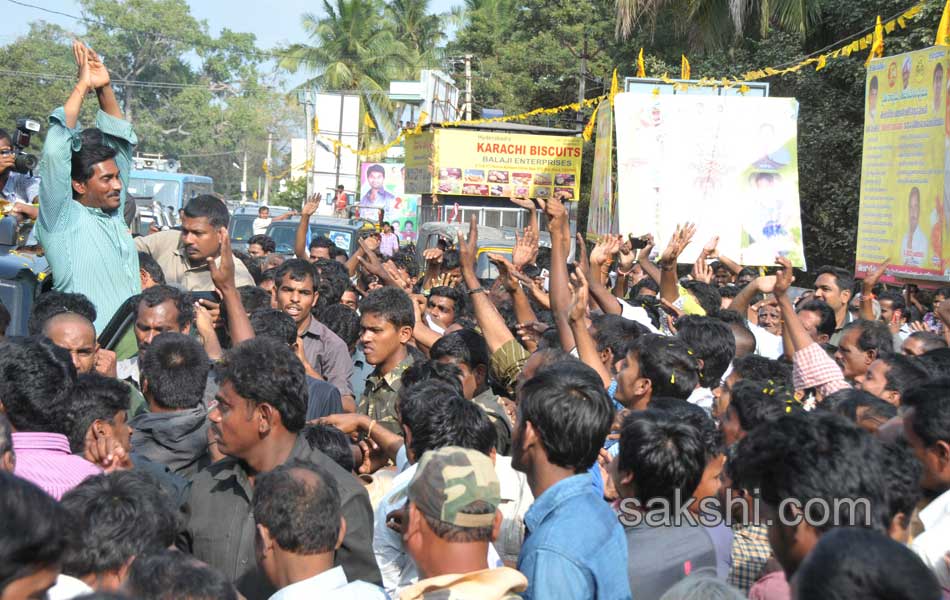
<point x="574" y="545"/>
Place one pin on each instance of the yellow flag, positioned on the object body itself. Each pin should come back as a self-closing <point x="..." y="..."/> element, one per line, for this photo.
<point x="684" y="70"/>
<point x="641" y="68"/>
<point x="877" y="43"/>
<point x="943" y="30"/>
<point x="614" y="87"/>
<point x="368" y="121"/>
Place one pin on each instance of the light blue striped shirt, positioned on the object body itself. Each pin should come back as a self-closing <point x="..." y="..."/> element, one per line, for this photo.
<point x="89" y="251"/>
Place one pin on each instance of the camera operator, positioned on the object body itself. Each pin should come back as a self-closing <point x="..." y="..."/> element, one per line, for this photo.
<point x="82" y="195"/>
<point x="20" y="189"/>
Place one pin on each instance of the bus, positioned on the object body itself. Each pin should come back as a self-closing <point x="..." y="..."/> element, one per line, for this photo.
<point x="158" y="195"/>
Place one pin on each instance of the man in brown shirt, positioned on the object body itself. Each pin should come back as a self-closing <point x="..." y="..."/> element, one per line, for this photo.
<point x="183" y="256"/>
<point x="295" y="293"/>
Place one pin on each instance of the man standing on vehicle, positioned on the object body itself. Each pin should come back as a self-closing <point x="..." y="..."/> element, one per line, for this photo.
<point x="340" y="202"/>
<point x="82" y="195"/>
<point x="263" y="220"/>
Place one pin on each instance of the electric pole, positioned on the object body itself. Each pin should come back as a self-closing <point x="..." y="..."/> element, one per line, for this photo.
<point x="468" y="87"/>
<point x="244" y="179"/>
<point x="270" y="138"/>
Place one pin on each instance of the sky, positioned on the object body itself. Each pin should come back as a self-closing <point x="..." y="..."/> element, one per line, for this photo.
<point x="272" y="21"/>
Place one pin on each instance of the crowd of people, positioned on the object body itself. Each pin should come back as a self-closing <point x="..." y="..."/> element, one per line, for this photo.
<point x="334" y="426"/>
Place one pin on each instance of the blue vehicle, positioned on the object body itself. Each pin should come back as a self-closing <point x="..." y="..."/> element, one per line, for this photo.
<point x="158" y="195"/>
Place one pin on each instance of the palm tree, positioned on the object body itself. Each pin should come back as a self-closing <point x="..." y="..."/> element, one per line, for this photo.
<point x="709" y="20"/>
<point x="352" y="49"/>
<point x="422" y="32"/>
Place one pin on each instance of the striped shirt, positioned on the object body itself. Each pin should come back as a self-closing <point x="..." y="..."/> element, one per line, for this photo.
<point x="89" y="251"/>
<point x="45" y="459"/>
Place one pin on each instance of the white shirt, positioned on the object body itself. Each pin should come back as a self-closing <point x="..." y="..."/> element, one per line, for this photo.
<point x="636" y="313"/>
<point x="67" y="588"/>
<point x="914" y="251"/>
<point x="767" y="344"/>
<point x="330" y="585"/>
<point x="21" y="187"/>
<point x="395" y="565"/>
<point x="260" y="225"/>
<point x="934" y="542"/>
<point x="703" y="398"/>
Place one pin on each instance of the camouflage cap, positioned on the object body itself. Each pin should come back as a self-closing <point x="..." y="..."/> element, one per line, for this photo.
<point x="449" y="480"/>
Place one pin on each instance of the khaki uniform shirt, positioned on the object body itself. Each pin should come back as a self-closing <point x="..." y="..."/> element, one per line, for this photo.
<point x="379" y="396"/>
<point x="165" y="247"/>
<point x="498" y="417"/>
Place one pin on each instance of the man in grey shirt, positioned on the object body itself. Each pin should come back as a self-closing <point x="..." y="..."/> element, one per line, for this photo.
<point x="661" y="462"/>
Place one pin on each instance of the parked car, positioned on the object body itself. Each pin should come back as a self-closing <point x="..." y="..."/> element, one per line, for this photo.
<point x="241" y="226"/>
<point x="342" y="232"/>
<point x="24" y="274"/>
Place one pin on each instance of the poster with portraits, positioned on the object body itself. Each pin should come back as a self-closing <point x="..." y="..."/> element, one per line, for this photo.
<point x="729" y="164"/>
<point x="382" y="188"/>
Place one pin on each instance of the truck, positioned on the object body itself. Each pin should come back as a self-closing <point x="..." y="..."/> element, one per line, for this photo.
<point x="159" y="191"/>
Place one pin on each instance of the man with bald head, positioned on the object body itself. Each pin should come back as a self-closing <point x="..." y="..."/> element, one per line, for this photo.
<point x="75" y="333"/>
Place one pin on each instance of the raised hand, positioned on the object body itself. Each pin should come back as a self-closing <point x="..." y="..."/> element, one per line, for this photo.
<point x="701" y="271"/>
<point x="526" y="247"/>
<point x="98" y="74"/>
<point x="555" y="211"/>
<point x="580" y="294"/>
<point x="468" y="247"/>
<point x="873" y="276"/>
<point x="644" y="253"/>
<point x="523" y="202"/>
<point x="766" y="283"/>
<point x="784" y="277"/>
<point x="310" y="207"/>
<point x="506" y="271"/>
<point x="223" y="275"/>
<point x="84" y="73"/>
<point x="711" y="250"/>
<point x="433" y="255"/>
<point x="627" y="256"/>
<point x="681" y="238"/>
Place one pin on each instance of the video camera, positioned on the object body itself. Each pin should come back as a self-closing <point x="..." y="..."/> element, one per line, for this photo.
<point x="24" y="162"/>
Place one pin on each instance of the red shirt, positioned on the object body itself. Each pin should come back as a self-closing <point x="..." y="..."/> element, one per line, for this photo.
<point x="341" y="201"/>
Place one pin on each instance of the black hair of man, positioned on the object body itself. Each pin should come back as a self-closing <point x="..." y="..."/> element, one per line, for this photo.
<point x="84" y="160"/>
<point x="36" y="379"/>
<point x="896" y="300"/>
<point x="766" y="369"/>
<point x="668" y="363"/>
<point x="148" y="264"/>
<point x="936" y="362"/>
<point x="710" y="341"/>
<point x="321" y="241"/>
<point x="4" y="319"/>
<point x="391" y="304"/>
<point x="264" y="370"/>
<point x="330" y="287"/>
<point x="569" y="409"/>
<point x="405" y="259"/>
<point x="713" y="441"/>
<point x="826" y="324"/>
<point x="730" y="290"/>
<point x="302" y="516"/>
<point x="176" y="369"/>
<point x="438" y="416"/>
<point x="856" y="563"/>
<point x="931" y="404"/>
<point x="756" y="402"/>
<point x="844" y="278"/>
<point x="664" y="454"/>
<point x="116" y="517"/>
<point x="729" y="316"/>
<point x="52" y="303"/>
<point x="33" y="529"/>
<point x="706" y="295"/>
<point x="817" y="455"/>
<point x="6" y="435"/>
<point x="274" y="324"/>
<point x="846" y="403"/>
<point x="903" y="373"/>
<point x="451" y="260"/>
<point x="266" y="242"/>
<point x="426" y="370"/>
<point x="174" y="575"/>
<point x="268" y="275"/>
<point x="464" y="346"/>
<point x="875" y="335"/>
<point x="902" y="471"/>
<point x="253" y="298"/>
<point x="182" y="300"/>
<point x="209" y="207"/>
<point x="747" y="272"/>
<point x="327" y="267"/>
<point x="332" y="442"/>
<point x="251" y="263"/>
<point x="343" y="321"/>
<point x="298" y="270"/>
<point x="645" y="284"/>
<point x="336" y="251"/>
<point x="453" y="294"/>
<point x="676" y="406"/>
<point x="928" y="340"/>
<point x="94" y="397"/>
<point x="615" y="333"/>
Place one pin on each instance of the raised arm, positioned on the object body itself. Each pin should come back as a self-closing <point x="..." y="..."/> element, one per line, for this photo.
<point x="783" y="280"/>
<point x="239" y="325"/>
<point x="599" y="258"/>
<point x="669" y="282"/>
<point x="867" y="289"/>
<point x="511" y="279"/>
<point x="711" y="250"/>
<point x="491" y="323"/>
<point x="760" y="285"/>
<point x="300" y="240"/>
<point x="586" y="346"/>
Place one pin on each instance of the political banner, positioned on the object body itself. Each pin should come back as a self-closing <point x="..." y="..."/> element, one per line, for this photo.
<point x="727" y="163"/>
<point x="602" y="216"/>
<point x="492" y="164"/>
<point x="905" y="191"/>
<point x="381" y="187"/>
